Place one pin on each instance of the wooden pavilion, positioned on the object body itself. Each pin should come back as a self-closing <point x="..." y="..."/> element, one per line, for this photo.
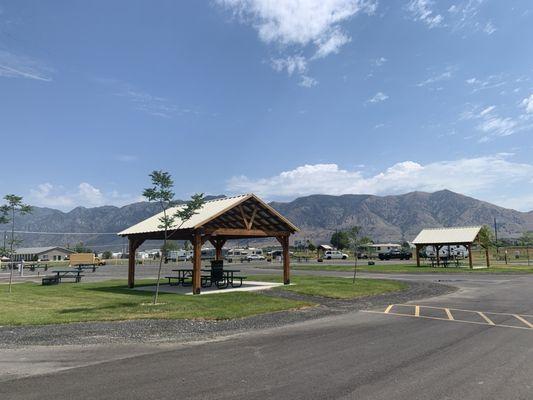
<point x="219" y="220"/>
<point x="440" y="237"/>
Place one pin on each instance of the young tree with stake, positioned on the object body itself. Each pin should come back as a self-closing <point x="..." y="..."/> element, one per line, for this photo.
<point x="8" y="211"/>
<point x="161" y="192"/>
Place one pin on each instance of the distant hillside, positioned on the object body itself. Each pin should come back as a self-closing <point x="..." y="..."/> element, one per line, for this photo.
<point x="401" y="217"/>
<point x="383" y="218"/>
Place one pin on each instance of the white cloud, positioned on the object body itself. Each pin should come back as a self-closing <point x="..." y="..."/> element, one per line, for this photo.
<point x="302" y="25"/>
<point x="443" y="76"/>
<point x="527" y="103"/>
<point x="291" y="64"/>
<point x="308" y="82"/>
<point x="85" y="194"/>
<point x="378" y="98"/>
<point x="489" y="28"/>
<point x="492" y="124"/>
<point x="491" y="82"/>
<point x="421" y="10"/>
<point x="378" y="62"/>
<point x="17" y="66"/>
<point x="485" y="176"/>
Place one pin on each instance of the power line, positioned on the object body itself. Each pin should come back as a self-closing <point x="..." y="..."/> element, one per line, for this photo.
<point x="68" y="233"/>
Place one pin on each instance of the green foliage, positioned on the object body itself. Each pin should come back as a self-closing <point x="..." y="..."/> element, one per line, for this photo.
<point x="526" y="239"/>
<point x="340" y="240"/>
<point x="310" y="246"/>
<point x="107" y="255"/>
<point x="81" y="248"/>
<point x="486" y="237"/>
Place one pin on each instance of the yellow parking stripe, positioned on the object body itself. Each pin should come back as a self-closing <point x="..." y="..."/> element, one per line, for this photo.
<point x="489" y="321"/>
<point x="449" y="314"/>
<point x="518" y="317"/>
<point x="388" y="308"/>
<point x="417" y="311"/>
<point x="444" y="319"/>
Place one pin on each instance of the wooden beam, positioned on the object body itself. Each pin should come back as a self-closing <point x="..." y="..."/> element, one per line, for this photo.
<point x="417" y="249"/>
<point x="470" y="256"/>
<point x="244" y="232"/>
<point x="197" y="264"/>
<point x="244" y="217"/>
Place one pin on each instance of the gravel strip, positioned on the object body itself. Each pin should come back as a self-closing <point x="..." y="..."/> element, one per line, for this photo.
<point x="158" y="331"/>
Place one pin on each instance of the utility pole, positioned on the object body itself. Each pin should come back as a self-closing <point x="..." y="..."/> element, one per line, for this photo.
<point x="496" y="234"/>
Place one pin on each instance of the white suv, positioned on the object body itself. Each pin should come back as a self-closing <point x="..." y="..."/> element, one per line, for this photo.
<point x="335" y="255"/>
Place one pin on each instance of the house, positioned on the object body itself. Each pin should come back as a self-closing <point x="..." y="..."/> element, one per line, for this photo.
<point x="53" y="253"/>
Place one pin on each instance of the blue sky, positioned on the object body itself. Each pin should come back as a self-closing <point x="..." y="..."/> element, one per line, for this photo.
<point x="283" y="99"/>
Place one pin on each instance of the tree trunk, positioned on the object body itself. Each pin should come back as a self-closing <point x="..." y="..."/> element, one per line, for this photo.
<point x="11" y="247"/>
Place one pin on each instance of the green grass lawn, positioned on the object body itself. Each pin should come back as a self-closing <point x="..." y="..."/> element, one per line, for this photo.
<point x="339" y="288"/>
<point x="33" y="304"/>
<point x="408" y="268"/>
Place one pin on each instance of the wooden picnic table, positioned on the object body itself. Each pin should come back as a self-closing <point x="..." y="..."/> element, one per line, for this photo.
<point x="185" y="273"/>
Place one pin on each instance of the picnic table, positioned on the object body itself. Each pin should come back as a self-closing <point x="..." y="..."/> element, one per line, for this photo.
<point x="60" y="274"/>
<point x="222" y="278"/>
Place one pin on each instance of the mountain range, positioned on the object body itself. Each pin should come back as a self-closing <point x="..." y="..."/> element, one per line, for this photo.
<point x="383" y="218"/>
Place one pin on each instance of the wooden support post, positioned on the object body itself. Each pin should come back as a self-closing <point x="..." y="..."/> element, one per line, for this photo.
<point x="284" y="241"/>
<point x="487" y="256"/>
<point x="417" y="249"/>
<point x="218" y="243"/>
<point x="438" y="255"/>
<point x="470" y="263"/>
<point x="197" y="263"/>
<point x="132" y="248"/>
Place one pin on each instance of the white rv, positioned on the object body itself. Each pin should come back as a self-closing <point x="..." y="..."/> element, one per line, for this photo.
<point x="451" y="251"/>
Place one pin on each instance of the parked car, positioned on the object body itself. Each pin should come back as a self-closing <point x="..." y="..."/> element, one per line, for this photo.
<point x="335" y="255"/>
<point x="253" y="257"/>
<point x="395" y="255"/>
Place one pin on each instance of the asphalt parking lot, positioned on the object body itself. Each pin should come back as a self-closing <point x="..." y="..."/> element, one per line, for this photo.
<point x="401" y="351"/>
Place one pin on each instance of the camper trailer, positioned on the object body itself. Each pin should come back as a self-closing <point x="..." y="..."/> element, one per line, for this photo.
<point x="450" y="251"/>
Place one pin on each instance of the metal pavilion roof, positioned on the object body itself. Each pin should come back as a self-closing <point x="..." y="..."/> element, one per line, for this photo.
<point x="453" y="235"/>
<point x="211" y="210"/>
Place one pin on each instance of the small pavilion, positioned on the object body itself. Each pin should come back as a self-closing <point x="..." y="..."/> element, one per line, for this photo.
<point x="219" y="220"/>
<point x="440" y="237"/>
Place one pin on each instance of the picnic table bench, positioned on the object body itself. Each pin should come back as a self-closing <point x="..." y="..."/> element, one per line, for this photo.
<point x="75" y="274"/>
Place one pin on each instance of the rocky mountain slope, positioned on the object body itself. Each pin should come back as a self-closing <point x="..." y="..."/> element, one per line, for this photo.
<point x="383" y="218"/>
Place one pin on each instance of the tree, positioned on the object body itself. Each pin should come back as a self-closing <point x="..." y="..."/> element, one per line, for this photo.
<point x="353" y="234"/>
<point x="340" y="240"/>
<point x="161" y="192"/>
<point x="526" y="239"/>
<point x="106" y="255"/>
<point x="486" y="241"/>
<point x="81" y="248"/>
<point x="14" y="206"/>
<point x="310" y="246"/>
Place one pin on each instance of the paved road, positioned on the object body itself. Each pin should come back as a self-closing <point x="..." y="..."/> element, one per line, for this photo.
<point x="420" y="354"/>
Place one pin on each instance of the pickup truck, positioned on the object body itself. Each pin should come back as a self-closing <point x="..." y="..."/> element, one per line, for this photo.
<point x="395" y="255"/>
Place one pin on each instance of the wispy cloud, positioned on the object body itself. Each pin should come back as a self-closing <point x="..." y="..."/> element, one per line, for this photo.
<point x="378" y="62"/>
<point x="18" y="66"/>
<point x="313" y="27"/>
<point x="85" y="194"/>
<point x="422" y="10"/>
<point x="378" y="98"/>
<point x="442" y="76"/>
<point x="490" y="82"/>
<point x="527" y="103"/>
<point x="486" y="176"/>
<point x="491" y="124"/>
<point x="143" y="101"/>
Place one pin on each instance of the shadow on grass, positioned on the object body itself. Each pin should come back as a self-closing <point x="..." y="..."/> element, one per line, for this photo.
<point x="100" y="308"/>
